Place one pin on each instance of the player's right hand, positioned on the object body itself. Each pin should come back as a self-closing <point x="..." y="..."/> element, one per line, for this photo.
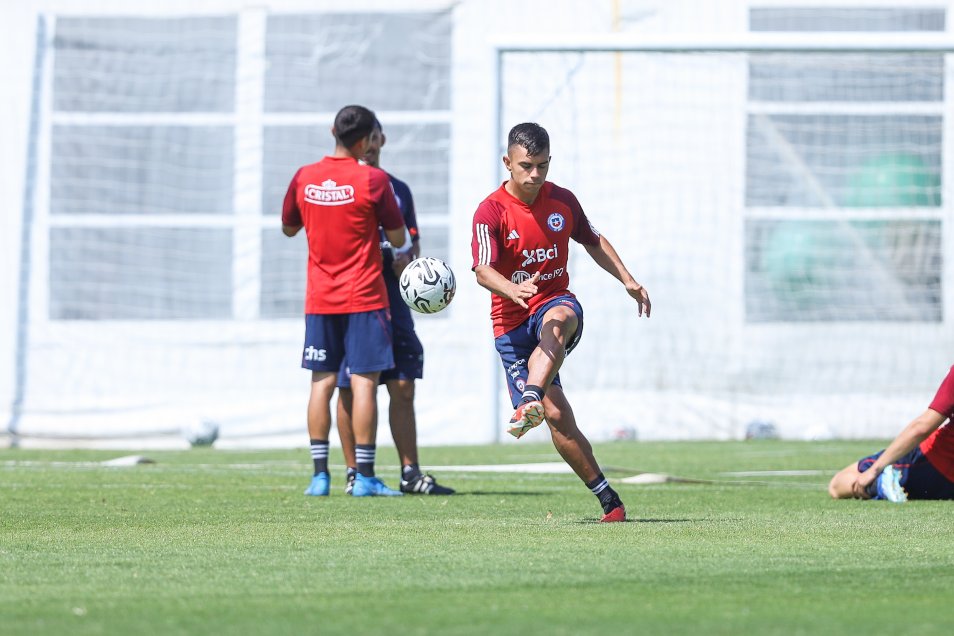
<point x="859" y="488"/>
<point x="526" y="289"/>
<point x="641" y="296"/>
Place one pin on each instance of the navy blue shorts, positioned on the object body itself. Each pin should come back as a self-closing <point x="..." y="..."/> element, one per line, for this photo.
<point x="408" y="356"/>
<point x="516" y="345"/>
<point x="919" y="478"/>
<point x="365" y="338"/>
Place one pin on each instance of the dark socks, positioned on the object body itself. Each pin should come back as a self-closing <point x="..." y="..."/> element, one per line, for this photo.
<point x="410" y="471"/>
<point x="364" y="453"/>
<point x="605" y="493"/>
<point x="531" y="392"/>
<point x="319" y="455"/>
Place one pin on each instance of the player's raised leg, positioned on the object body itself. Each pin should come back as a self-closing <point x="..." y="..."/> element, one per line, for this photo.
<point x="559" y="325"/>
<point x="577" y="452"/>
<point x="319" y="427"/>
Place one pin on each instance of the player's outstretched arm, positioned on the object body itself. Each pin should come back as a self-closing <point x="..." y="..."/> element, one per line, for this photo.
<point x="497" y="283"/>
<point x="913" y="434"/>
<point x="606" y="257"/>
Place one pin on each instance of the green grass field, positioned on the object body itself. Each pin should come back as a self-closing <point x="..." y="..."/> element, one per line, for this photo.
<point x="208" y="541"/>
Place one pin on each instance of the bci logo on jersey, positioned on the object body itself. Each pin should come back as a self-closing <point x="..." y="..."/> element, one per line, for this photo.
<point x="329" y="193"/>
<point x="539" y="255"/>
<point x="556" y="221"/>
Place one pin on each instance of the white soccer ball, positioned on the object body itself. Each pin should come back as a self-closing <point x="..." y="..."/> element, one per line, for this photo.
<point x="202" y="432"/>
<point x="427" y="285"/>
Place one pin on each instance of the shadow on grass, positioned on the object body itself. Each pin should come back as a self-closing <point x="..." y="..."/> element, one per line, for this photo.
<point x="499" y="493"/>
<point x="597" y="521"/>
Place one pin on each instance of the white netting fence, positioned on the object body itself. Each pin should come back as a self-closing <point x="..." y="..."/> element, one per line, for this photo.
<point x="788" y="210"/>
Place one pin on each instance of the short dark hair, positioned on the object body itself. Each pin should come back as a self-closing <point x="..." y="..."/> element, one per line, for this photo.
<point x="533" y="137"/>
<point x="353" y="123"/>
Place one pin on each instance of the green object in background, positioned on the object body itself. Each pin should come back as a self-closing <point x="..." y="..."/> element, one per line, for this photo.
<point x="790" y="254"/>
<point x="894" y="180"/>
<point x="800" y="256"/>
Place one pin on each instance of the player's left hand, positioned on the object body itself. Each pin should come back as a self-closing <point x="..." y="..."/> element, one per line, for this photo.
<point x="860" y="486"/>
<point x="400" y="262"/>
<point x="639" y="293"/>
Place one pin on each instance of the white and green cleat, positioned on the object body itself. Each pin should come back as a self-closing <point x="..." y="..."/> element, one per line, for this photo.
<point x="889" y="486"/>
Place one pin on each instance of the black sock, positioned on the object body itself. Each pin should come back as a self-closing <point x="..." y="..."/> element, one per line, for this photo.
<point x="531" y="392"/>
<point x="319" y="455"/>
<point x="605" y="493"/>
<point x="350" y="473"/>
<point x="365" y="456"/>
<point x="410" y="471"/>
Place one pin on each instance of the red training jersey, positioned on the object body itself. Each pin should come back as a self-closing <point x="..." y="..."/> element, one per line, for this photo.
<point x="341" y="203"/>
<point x="519" y="240"/>
<point x="939" y="446"/>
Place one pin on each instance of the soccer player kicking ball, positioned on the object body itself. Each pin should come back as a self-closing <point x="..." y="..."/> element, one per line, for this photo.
<point x="521" y="237"/>
<point x="918" y="464"/>
<point x="341" y="203"/>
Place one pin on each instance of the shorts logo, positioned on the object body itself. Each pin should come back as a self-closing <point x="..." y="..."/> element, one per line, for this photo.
<point x="519" y="276"/>
<point x="329" y="193"/>
<point x="315" y="355"/>
<point x="520" y="384"/>
<point x="555" y="221"/>
<point x="514" y="369"/>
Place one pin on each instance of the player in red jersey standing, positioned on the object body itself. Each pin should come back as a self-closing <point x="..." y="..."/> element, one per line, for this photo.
<point x="341" y="203"/>
<point x="918" y="464"/>
<point x="521" y="236"/>
<point x="408" y="356"/>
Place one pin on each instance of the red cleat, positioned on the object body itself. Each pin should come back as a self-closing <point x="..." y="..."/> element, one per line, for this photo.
<point x="615" y="515"/>
<point x="528" y="415"/>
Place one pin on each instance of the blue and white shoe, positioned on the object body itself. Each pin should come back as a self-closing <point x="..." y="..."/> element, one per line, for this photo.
<point x="319" y="485"/>
<point x="889" y="486"/>
<point x="371" y="487"/>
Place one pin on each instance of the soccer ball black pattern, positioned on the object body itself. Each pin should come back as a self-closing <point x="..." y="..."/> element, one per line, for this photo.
<point x="427" y="285"/>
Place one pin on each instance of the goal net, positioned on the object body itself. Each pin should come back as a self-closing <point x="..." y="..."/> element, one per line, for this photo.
<point x="786" y="209"/>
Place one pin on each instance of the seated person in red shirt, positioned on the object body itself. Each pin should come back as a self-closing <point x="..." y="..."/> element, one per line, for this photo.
<point x="918" y="464"/>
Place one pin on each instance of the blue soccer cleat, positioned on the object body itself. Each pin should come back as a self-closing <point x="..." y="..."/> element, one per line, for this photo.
<point x="889" y="486"/>
<point x="371" y="487"/>
<point x="319" y="485"/>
